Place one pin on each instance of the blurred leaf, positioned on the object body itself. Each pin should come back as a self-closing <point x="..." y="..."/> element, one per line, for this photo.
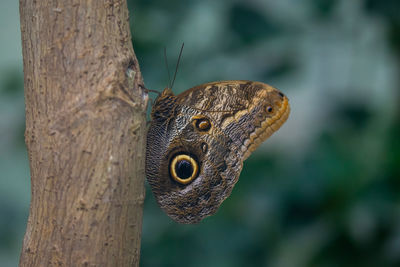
<point x="390" y="10"/>
<point x="324" y="8"/>
<point x="250" y="24"/>
<point x="355" y="115"/>
<point x="13" y="83"/>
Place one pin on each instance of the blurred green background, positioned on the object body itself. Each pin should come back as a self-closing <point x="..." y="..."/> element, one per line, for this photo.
<point x="323" y="191"/>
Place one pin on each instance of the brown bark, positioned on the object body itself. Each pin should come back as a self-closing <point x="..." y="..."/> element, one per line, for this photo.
<point x="85" y="133"/>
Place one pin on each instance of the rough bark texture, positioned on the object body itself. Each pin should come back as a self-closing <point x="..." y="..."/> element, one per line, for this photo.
<point x="85" y="133"/>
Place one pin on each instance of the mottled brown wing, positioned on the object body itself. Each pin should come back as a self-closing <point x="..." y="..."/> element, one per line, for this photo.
<point x="216" y="125"/>
<point x="240" y="110"/>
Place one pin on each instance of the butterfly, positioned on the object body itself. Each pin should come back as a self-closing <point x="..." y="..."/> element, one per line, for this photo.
<point x="197" y="142"/>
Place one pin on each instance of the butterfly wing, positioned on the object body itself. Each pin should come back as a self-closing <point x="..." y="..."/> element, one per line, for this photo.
<point x="207" y="131"/>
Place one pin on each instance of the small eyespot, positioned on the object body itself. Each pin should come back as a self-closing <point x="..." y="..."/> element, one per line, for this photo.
<point x="184" y="168"/>
<point x="202" y="124"/>
<point x="269" y="109"/>
<point x="204" y="147"/>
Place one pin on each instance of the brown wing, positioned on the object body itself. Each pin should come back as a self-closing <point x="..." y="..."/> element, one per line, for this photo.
<point x="240" y="110"/>
<point x="242" y="114"/>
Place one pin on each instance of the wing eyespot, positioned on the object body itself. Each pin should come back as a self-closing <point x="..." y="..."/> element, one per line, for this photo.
<point x="204" y="147"/>
<point x="184" y="169"/>
<point x="202" y="123"/>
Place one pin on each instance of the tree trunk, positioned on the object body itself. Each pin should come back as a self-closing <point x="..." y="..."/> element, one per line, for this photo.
<point x="85" y="134"/>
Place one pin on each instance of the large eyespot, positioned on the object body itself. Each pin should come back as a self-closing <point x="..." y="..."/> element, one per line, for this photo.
<point x="202" y="123"/>
<point x="184" y="168"/>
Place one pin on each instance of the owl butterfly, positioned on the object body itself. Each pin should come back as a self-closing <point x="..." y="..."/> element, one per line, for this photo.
<point x="198" y="140"/>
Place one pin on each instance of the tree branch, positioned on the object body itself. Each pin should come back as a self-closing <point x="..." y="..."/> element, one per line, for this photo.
<point x="85" y="134"/>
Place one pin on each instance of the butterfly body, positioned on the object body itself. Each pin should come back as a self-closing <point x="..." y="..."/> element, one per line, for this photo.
<point x="198" y="140"/>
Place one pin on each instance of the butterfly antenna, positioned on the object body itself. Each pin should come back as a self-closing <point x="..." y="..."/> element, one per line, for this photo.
<point x="166" y="64"/>
<point x="177" y="64"/>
